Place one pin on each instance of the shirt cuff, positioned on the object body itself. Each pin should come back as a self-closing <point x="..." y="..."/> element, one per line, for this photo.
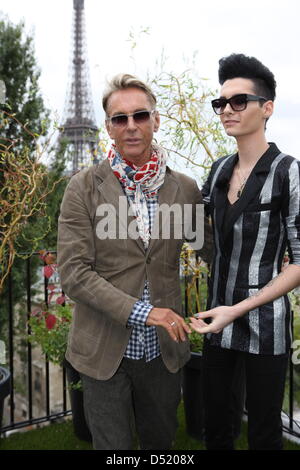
<point x="139" y="313"/>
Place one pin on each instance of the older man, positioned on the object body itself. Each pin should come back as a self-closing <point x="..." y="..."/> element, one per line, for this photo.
<point x="128" y="338"/>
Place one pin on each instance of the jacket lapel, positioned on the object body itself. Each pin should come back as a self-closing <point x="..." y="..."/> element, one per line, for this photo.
<point x="251" y="190"/>
<point x="166" y="195"/>
<point x="111" y="191"/>
<point x="221" y="190"/>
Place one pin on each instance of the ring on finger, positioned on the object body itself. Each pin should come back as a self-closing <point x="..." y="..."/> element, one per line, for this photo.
<point x="173" y="323"/>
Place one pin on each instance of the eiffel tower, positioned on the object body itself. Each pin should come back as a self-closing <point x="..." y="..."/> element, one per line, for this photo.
<point x="79" y="128"/>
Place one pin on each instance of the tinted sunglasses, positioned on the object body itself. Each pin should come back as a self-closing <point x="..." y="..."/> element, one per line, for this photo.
<point x="237" y="102"/>
<point x="139" y="117"/>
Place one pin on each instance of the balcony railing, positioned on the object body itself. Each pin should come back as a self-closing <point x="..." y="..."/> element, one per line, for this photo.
<point x="40" y="389"/>
<point x="37" y="389"/>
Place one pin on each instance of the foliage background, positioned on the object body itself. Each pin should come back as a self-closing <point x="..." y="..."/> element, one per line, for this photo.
<point x="20" y="73"/>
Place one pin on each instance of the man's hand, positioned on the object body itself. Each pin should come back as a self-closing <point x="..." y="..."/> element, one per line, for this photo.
<point x="168" y="319"/>
<point x="221" y="317"/>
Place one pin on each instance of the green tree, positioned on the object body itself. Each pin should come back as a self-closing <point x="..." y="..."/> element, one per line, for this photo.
<point x="190" y="133"/>
<point x="20" y="134"/>
<point x="20" y="73"/>
<point x="41" y="232"/>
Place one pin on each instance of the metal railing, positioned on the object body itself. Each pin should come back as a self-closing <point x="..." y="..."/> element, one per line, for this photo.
<point x="48" y="415"/>
<point x="291" y="426"/>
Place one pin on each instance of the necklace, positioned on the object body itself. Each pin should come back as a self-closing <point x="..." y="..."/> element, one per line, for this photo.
<point x="243" y="180"/>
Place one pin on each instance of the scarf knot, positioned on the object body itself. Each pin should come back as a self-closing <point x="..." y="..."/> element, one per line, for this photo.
<point x="140" y="183"/>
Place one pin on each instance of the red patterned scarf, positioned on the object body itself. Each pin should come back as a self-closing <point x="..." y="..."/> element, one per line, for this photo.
<point x="140" y="182"/>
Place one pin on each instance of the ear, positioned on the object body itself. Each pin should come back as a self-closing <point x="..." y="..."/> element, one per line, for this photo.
<point x="156" y="121"/>
<point x="268" y="109"/>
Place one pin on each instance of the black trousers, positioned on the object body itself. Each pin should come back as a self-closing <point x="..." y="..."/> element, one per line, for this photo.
<point x="265" y="380"/>
<point x="142" y="398"/>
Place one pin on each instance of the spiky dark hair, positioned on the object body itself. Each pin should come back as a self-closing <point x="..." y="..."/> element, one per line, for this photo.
<point x="240" y="65"/>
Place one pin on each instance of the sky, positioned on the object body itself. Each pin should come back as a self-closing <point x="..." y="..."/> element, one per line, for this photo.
<point x="266" y="29"/>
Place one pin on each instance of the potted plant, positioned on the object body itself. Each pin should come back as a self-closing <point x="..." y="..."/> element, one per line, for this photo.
<point x="49" y="328"/>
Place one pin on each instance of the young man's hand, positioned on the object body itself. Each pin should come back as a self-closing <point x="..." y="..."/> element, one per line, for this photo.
<point x="221" y="317"/>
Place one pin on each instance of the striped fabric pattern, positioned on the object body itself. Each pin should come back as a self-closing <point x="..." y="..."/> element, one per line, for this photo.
<point x="249" y="247"/>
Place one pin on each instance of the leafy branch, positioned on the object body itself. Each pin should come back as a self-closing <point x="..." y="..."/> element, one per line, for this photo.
<point x="188" y="128"/>
<point x="24" y="187"/>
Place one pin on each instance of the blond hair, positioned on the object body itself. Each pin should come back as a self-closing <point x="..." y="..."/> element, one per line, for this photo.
<point x="122" y="82"/>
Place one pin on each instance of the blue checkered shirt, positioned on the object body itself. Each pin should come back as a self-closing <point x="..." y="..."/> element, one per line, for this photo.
<point x="143" y="340"/>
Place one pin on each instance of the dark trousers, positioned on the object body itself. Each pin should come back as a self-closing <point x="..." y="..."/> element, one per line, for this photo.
<point x="265" y="380"/>
<point x="142" y="397"/>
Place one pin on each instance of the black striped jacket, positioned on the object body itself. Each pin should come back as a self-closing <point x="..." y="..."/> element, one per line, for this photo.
<point x="250" y="245"/>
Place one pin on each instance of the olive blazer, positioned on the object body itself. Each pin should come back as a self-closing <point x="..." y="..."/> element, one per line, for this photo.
<point x="106" y="276"/>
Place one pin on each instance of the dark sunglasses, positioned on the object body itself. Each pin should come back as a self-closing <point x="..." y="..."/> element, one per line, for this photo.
<point x="121" y="120"/>
<point x="237" y="102"/>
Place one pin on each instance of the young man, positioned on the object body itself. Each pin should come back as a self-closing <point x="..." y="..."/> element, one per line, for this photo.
<point x="253" y="198"/>
<point x="128" y="338"/>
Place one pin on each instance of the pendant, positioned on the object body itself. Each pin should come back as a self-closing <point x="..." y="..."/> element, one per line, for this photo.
<point x="239" y="193"/>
